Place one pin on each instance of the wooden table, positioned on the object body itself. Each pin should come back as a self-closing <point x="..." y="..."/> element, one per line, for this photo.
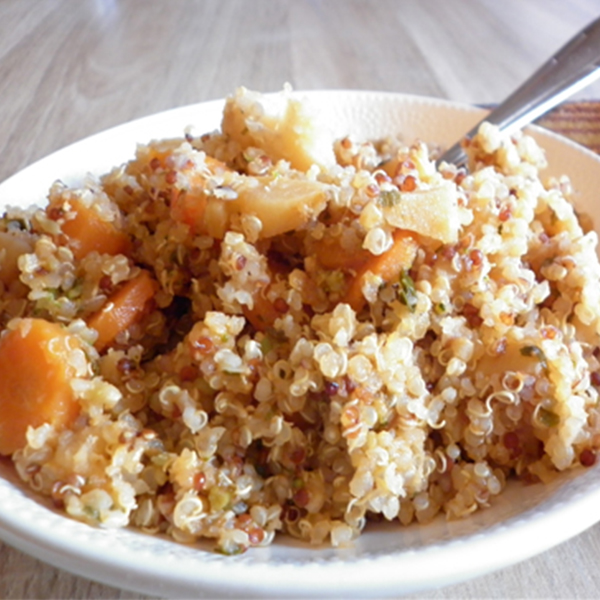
<point x="70" y="68"/>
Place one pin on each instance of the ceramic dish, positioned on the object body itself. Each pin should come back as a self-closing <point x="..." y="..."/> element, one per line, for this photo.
<point x="387" y="560"/>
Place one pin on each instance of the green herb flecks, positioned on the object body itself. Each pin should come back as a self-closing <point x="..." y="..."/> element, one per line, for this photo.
<point x="272" y="339"/>
<point x="219" y="499"/>
<point x="92" y="513"/>
<point x="439" y="308"/>
<point x="75" y="291"/>
<point x="548" y="261"/>
<point x="388" y="198"/>
<point x="407" y="292"/>
<point x="547" y="417"/>
<point x="535" y="352"/>
<point x="334" y="281"/>
<point x="266" y="345"/>
<point x="234" y="550"/>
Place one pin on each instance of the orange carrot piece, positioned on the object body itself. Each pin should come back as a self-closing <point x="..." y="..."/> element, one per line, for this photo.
<point x="124" y="308"/>
<point x="332" y="256"/>
<point x="189" y="206"/>
<point x="263" y="314"/>
<point x="35" y="379"/>
<point x="87" y="232"/>
<point x="388" y="266"/>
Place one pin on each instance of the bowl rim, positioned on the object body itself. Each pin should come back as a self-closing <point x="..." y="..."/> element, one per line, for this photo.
<point x="113" y="563"/>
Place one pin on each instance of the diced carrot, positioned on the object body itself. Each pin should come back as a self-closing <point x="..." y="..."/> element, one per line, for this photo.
<point x="331" y="255"/>
<point x="189" y="208"/>
<point x="35" y="379"/>
<point x="124" y="308"/>
<point x="263" y="313"/>
<point x="87" y="231"/>
<point x="387" y="266"/>
<point x="392" y="166"/>
<point x="189" y="205"/>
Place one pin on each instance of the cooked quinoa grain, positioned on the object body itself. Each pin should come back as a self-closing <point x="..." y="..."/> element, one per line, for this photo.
<point x="266" y="331"/>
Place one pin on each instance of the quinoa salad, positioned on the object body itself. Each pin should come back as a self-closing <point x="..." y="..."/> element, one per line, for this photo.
<point x="264" y="330"/>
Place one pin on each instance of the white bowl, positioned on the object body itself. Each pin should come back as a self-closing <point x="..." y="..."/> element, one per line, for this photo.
<point x="388" y="559"/>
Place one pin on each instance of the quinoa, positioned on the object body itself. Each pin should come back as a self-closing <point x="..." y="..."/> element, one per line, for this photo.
<point x="338" y="331"/>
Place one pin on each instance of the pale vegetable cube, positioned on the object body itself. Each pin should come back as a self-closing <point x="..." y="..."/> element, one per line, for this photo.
<point x="281" y="205"/>
<point x="280" y="125"/>
<point x="433" y="213"/>
<point x="517" y="357"/>
<point x="284" y="204"/>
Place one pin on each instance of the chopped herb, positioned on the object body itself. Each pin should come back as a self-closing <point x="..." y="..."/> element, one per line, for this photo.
<point x="91" y="512"/>
<point x="76" y="289"/>
<point x="219" y="499"/>
<point x="440" y="308"/>
<point x="548" y="418"/>
<point x="548" y="261"/>
<point x="334" y="281"/>
<point x="266" y="345"/>
<point x="272" y="339"/>
<point x="535" y="352"/>
<point x="388" y="198"/>
<point x="408" y="293"/>
<point x="235" y="550"/>
<point x="382" y="424"/>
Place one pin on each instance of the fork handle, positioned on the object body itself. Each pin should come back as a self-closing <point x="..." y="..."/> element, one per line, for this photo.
<point x="573" y="67"/>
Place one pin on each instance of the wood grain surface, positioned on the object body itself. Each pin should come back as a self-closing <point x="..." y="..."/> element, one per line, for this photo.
<point x="71" y="68"/>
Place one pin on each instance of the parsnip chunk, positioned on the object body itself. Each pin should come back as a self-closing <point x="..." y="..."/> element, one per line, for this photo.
<point x="280" y="125"/>
<point x="433" y="213"/>
<point x="281" y="205"/>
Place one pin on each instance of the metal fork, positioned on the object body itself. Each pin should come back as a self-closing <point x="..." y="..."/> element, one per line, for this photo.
<point x="573" y="67"/>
